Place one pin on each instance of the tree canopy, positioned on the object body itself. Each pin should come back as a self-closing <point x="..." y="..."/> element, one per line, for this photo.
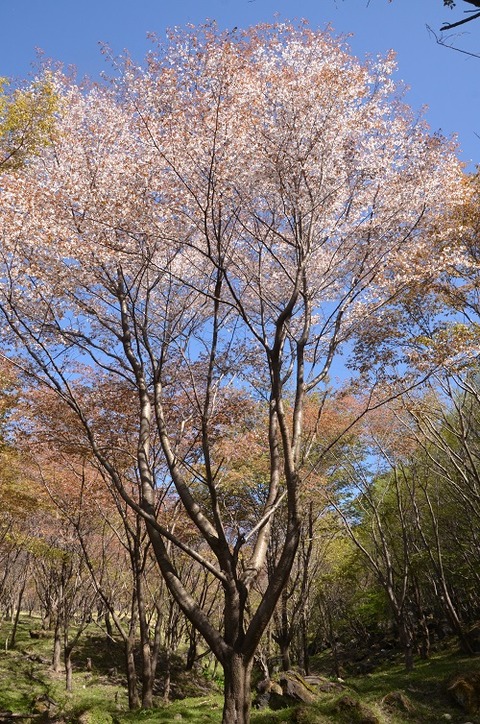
<point x="183" y="262"/>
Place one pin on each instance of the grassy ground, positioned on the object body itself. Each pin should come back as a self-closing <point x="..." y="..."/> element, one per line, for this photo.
<point x="27" y="684"/>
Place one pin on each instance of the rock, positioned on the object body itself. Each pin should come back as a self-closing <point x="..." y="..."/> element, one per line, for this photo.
<point x="275" y="688"/>
<point x="266" y="688"/>
<point x="322" y="684"/>
<point x="356" y="711"/>
<point x="464" y="689"/>
<point x="40" y="634"/>
<point x="295" y="688"/>
<point x="306" y="715"/>
<point x="289" y="688"/>
<point x="347" y="702"/>
<point x="43" y="704"/>
<point x="397" y="700"/>
<point x="314" y="679"/>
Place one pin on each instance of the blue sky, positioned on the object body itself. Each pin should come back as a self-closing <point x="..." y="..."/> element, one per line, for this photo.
<point x="444" y="80"/>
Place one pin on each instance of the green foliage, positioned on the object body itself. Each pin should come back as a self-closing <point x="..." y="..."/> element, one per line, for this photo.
<point x="27" y="119"/>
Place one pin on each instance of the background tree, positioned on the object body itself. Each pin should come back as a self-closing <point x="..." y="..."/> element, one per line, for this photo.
<point x="26" y="120"/>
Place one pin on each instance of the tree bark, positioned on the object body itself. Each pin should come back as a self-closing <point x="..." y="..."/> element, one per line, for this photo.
<point x="285" y="653"/>
<point x="148" y="673"/>
<point x="133" y="700"/>
<point x="57" y="645"/>
<point x="192" y="649"/>
<point x="68" y="669"/>
<point x="237" y="690"/>
<point x="406" y="643"/>
<point x="17" y="613"/>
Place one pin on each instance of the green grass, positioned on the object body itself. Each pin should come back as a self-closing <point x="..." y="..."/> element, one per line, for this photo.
<point x="99" y="696"/>
<point x="424" y="686"/>
<point x="25" y="675"/>
<point x="202" y="710"/>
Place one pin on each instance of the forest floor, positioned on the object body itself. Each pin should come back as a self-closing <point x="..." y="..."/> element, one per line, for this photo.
<point x="31" y="693"/>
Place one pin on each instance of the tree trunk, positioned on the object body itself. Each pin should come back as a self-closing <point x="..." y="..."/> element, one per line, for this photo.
<point x="303" y="657"/>
<point x="68" y="668"/>
<point x="17" y="613"/>
<point x="285" y="654"/>
<point x="167" y="677"/>
<point x="148" y="674"/>
<point x="424" y="637"/>
<point x="406" y="643"/>
<point x="133" y="700"/>
<point x="192" y="649"/>
<point x="57" y="645"/>
<point x="237" y="690"/>
<point x="108" y="626"/>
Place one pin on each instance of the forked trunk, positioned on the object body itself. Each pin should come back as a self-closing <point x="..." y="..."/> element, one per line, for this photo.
<point x="237" y="690"/>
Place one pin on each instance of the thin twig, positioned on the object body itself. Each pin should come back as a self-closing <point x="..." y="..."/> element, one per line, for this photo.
<point x="442" y="42"/>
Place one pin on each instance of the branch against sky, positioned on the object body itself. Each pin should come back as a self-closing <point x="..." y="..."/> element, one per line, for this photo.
<point x="452" y="4"/>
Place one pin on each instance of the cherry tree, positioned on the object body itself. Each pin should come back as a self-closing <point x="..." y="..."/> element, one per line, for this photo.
<point x="207" y="234"/>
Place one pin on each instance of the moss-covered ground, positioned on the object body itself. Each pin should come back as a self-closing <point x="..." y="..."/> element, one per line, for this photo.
<point x="28" y="684"/>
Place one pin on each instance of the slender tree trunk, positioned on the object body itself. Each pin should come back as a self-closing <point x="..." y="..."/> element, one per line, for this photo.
<point x="68" y="668"/>
<point x="303" y="657"/>
<point x="57" y="645"/>
<point x="423" y="632"/>
<point x="237" y="690"/>
<point x="423" y="636"/>
<point x="108" y="626"/>
<point x="284" y="633"/>
<point x="133" y="699"/>
<point x="406" y="643"/>
<point x="156" y="646"/>
<point x="167" y="676"/>
<point x="285" y="654"/>
<point x="333" y="643"/>
<point x="148" y="675"/>
<point x="454" y="619"/>
<point x="17" y="613"/>
<point x="192" y="649"/>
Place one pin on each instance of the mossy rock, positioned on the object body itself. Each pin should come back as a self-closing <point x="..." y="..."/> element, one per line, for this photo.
<point x="398" y="701"/>
<point x="308" y="715"/>
<point x="287" y="689"/>
<point x="464" y="689"/>
<point x="352" y="710"/>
